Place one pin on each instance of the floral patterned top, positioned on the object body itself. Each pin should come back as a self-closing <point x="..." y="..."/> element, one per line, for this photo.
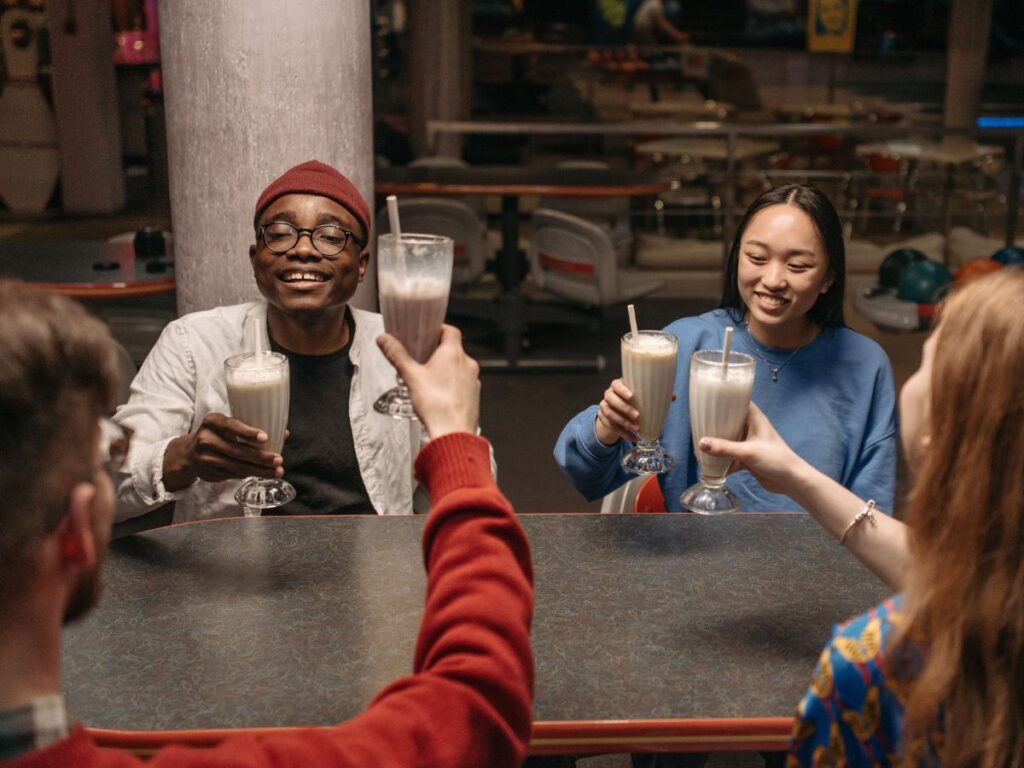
<point x="852" y="714"/>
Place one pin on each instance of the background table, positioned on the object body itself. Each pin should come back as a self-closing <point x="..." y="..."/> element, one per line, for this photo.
<point x="652" y="632"/>
<point x="511" y="183"/>
<point x="87" y="268"/>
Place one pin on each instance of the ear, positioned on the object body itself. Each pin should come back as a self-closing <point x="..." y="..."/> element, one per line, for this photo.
<point x="364" y="262"/>
<point x="75" y="538"/>
<point x="252" y="255"/>
<point x="827" y="285"/>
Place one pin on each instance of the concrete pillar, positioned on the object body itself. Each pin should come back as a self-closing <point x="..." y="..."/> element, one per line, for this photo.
<point x="85" y="103"/>
<point x="970" y="23"/>
<point x="440" y="70"/>
<point x="253" y="87"/>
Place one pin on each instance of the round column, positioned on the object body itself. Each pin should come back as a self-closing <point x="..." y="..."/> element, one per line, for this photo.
<point x="253" y="87"/>
<point x="970" y="24"/>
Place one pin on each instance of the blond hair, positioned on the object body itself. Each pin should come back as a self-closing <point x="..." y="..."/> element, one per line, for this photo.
<point x="965" y="593"/>
<point x="57" y="377"/>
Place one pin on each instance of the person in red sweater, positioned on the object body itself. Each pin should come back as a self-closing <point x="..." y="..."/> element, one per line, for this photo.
<point x="468" y="699"/>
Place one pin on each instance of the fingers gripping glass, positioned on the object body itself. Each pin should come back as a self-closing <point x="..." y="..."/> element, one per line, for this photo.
<point x="328" y="239"/>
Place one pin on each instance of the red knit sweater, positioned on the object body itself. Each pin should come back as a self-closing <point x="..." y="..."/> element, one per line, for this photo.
<point x="468" y="699"/>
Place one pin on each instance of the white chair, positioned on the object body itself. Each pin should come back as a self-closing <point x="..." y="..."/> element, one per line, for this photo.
<point x="453" y="218"/>
<point x="575" y="259"/>
<point x="611" y="213"/>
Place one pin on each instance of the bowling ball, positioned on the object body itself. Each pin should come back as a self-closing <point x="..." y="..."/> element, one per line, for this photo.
<point x="149" y="241"/>
<point x="894" y="264"/>
<point x="1009" y="256"/>
<point x="924" y="282"/>
<point x="975" y="268"/>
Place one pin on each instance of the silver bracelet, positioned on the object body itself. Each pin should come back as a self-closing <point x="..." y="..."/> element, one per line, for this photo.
<point x="868" y="513"/>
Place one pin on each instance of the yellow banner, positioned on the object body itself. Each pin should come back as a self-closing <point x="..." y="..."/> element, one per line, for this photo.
<point x="831" y="25"/>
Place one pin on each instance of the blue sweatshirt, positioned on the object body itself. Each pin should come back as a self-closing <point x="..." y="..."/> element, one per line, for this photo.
<point x="834" y="403"/>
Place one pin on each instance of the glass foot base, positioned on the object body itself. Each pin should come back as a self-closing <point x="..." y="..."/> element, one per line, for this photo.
<point x="709" y="500"/>
<point x="396" y="403"/>
<point x="256" y="494"/>
<point x="648" y="458"/>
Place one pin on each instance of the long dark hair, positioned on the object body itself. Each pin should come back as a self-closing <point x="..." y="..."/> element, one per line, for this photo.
<point x="828" y="309"/>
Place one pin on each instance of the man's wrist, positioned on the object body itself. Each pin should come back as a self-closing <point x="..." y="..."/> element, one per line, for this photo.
<point x="178" y="471"/>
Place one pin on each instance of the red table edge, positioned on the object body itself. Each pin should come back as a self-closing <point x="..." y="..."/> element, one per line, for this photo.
<point x="566" y="737"/>
<point x="523" y="189"/>
<point x="113" y="290"/>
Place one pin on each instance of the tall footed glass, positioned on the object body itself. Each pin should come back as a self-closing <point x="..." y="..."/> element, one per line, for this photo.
<point x="719" y="401"/>
<point x="258" y="390"/>
<point x="414" y="275"/>
<point x="649" y="370"/>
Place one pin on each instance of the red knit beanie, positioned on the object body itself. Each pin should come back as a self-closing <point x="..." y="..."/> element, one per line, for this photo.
<point x="316" y="178"/>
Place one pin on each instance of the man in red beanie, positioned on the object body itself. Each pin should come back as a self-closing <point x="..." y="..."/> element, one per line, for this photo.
<point x="467" y="700"/>
<point x="311" y="229"/>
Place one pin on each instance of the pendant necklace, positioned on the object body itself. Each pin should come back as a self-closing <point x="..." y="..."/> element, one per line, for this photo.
<point x="774" y="368"/>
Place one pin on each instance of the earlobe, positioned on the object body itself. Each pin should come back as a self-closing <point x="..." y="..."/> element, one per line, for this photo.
<point x="75" y="534"/>
<point x="364" y="262"/>
<point x="252" y="255"/>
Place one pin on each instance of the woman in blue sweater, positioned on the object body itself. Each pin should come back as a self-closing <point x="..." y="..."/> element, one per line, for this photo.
<point x="827" y="389"/>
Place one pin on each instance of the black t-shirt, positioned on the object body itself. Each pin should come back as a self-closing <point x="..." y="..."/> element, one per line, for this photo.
<point x="319" y="454"/>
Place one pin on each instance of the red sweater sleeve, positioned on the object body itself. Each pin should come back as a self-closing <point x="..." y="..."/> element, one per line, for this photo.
<point x="468" y="700"/>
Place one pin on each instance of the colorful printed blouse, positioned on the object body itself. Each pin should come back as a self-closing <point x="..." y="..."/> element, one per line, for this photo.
<point x="853" y="712"/>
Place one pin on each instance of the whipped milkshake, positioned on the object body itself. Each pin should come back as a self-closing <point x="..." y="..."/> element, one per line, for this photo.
<point x="718" y="405"/>
<point x="649" y="370"/>
<point x="258" y="393"/>
<point x="414" y="310"/>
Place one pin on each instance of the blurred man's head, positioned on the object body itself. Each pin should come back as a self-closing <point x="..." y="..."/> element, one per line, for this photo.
<point x="57" y="380"/>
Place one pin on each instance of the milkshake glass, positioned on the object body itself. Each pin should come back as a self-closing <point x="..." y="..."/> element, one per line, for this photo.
<point x="719" y="401"/>
<point x="258" y="394"/>
<point x="649" y="370"/>
<point x="414" y="275"/>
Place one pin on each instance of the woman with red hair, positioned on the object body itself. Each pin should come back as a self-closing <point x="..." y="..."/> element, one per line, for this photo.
<point x="934" y="675"/>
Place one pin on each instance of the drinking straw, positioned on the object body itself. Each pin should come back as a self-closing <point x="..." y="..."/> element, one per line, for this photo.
<point x="726" y="346"/>
<point x="396" y="227"/>
<point x="632" y="322"/>
<point x="259" y="343"/>
<point x="396" y="230"/>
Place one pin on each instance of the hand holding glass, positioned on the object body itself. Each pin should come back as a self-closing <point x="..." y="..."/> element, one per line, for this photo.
<point x="649" y="370"/>
<point x="719" y="401"/>
<point x="414" y="275"/>
<point x="258" y="390"/>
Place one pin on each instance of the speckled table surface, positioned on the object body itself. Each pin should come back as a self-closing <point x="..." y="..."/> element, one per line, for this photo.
<point x="292" y="621"/>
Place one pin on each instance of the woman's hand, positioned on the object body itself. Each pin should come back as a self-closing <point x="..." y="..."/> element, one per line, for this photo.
<point x="762" y="452"/>
<point x="616" y="417"/>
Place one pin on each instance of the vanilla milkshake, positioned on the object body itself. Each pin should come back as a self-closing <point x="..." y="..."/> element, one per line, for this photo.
<point x="258" y="393"/>
<point x="649" y="370"/>
<point x="413" y="311"/>
<point x="718" y="408"/>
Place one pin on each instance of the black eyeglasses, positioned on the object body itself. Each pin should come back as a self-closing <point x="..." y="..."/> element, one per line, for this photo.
<point x="328" y="239"/>
<point x="114" y="443"/>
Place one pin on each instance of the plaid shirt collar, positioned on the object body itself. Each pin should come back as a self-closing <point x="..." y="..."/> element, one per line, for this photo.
<point x="33" y="726"/>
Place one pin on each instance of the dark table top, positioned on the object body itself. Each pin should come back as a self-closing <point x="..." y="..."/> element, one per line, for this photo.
<point x="87" y="268"/>
<point x="290" y="621"/>
<point x="517" y="181"/>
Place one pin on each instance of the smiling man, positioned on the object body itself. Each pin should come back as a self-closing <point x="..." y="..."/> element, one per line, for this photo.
<point x="311" y="229"/>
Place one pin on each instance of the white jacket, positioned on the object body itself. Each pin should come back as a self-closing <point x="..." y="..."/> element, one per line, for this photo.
<point x="182" y="380"/>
